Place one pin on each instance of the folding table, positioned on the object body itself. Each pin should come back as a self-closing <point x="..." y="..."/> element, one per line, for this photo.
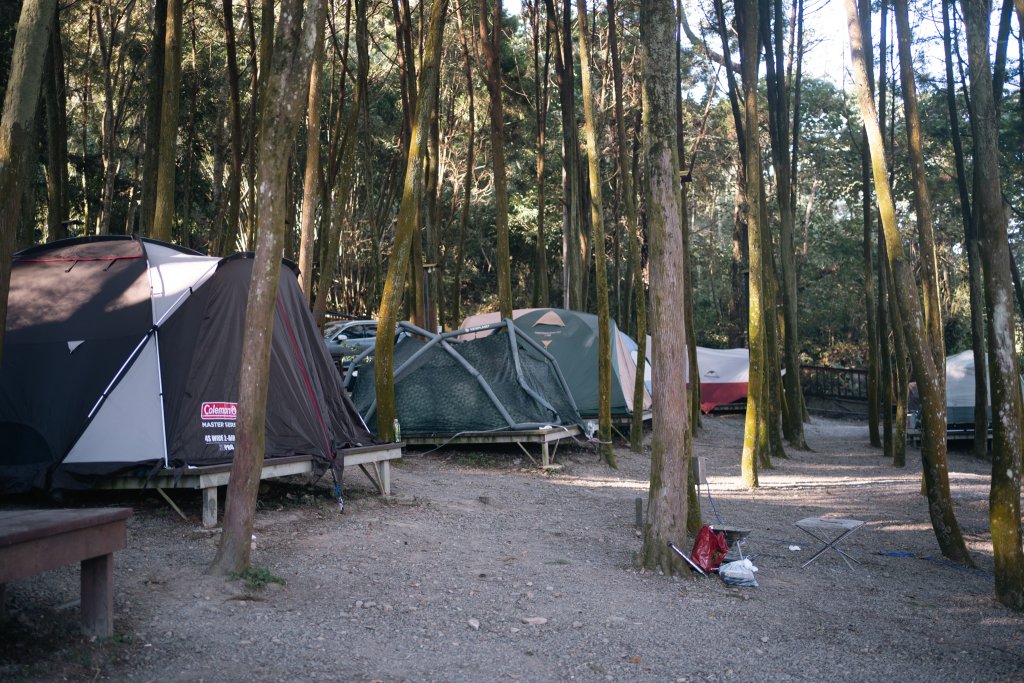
<point x="829" y="530"/>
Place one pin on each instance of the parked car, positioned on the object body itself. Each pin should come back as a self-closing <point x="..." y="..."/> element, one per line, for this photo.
<point x="347" y="340"/>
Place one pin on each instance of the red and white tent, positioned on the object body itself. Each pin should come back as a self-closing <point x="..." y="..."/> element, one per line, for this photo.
<point x="723" y="376"/>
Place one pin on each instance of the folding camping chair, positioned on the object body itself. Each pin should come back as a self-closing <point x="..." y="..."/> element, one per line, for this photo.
<point x="735" y="537"/>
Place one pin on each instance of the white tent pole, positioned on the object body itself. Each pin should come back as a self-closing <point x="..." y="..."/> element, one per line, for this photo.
<point x="159" y="374"/>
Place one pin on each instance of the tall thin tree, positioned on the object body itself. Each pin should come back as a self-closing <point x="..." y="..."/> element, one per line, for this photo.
<point x="604" y="346"/>
<point x="667" y="499"/>
<point x="287" y="85"/>
<point x="1004" y="366"/>
<point x="933" y="400"/>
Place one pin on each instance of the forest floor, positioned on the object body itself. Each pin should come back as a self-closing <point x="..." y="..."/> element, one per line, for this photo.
<point x="483" y="568"/>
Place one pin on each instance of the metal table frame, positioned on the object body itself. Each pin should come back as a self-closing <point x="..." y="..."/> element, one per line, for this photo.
<point x="820" y="529"/>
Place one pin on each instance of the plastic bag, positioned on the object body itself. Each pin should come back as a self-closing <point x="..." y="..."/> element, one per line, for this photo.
<point x="740" y="573"/>
<point x="709" y="549"/>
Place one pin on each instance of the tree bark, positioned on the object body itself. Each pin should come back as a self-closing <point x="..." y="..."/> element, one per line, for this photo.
<point x="311" y="178"/>
<point x="225" y="243"/>
<point x="343" y="187"/>
<point x="541" y="295"/>
<point x="163" y="217"/>
<point x="572" y="251"/>
<point x="779" y="92"/>
<point x="1004" y="368"/>
<point x="636" y="429"/>
<point x="604" y="347"/>
<point x="756" y="425"/>
<point x="154" y="106"/>
<point x="975" y="285"/>
<point x="667" y="499"/>
<point x="55" y="99"/>
<point x="490" y="41"/>
<point x="287" y="84"/>
<point x="468" y="179"/>
<point x="412" y="195"/>
<point x="21" y="98"/>
<point x="933" y="400"/>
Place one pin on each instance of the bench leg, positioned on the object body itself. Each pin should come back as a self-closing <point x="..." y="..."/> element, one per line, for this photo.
<point x="385" y="477"/>
<point x="98" y="596"/>
<point x="210" y="507"/>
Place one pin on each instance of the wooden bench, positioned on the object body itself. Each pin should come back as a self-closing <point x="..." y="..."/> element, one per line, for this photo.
<point x="35" y="541"/>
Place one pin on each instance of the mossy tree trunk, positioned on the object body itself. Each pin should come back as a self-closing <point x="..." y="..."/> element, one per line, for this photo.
<point x="401" y="251"/>
<point x="756" y="424"/>
<point x="21" y="98"/>
<point x="163" y="216"/>
<point x="933" y="400"/>
<point x="604" y="343"/>
<point x="1004" y="367"/>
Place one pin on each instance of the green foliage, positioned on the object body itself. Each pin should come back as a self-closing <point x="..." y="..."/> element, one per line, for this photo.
<point x="256" y="578"/>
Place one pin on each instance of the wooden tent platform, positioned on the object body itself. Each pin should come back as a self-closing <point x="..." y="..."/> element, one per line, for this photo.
<point x="374" y="461"/>
<point x="544" y="437"/>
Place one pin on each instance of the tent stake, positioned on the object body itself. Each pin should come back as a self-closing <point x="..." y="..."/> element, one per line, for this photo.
<point x="171" y="503"/>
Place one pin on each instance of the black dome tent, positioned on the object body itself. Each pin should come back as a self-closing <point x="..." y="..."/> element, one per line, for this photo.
<point x="123" y="354"/>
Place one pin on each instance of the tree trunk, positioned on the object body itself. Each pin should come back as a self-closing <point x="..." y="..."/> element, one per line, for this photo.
<point x="572" y="261"/>
<point x="163" y="217"/>
<point x="933" y="400"/>
<point x="604" y="346"/>
<point x="311" y="178"/>
<point x="412" y="196"/>
<point x="636" y="429"/>
<point x="922" y="200"/>
<point x="490" y="41"/>
<point x="1007" y="411"/>
<point x="541" y="295"/>
<point x="667" y="499"/>
<point x="468" y="180"/>
<point x="779" y="92"/>
<point x="343" y="185"/>
<point x="755" y="429"/>
<point x="225" y="242"/>
<point x="19" y="112"/>
<point x="154" y="106"/>
<point x="870" y="311"/>
<point x="287" y="85"/>
<point x="975" y="285"/>
<point x="55" y="99"/>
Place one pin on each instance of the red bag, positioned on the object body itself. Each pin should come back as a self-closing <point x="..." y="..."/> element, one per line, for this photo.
<point x="709" y="549"/>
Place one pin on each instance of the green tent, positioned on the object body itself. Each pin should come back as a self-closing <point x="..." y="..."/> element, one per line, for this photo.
<point x="504" y="381"/>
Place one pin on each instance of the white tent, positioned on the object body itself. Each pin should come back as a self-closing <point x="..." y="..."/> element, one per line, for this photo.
<point x="723" y="376"/>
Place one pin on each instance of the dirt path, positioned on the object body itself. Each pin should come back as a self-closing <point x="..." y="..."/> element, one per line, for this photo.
<point x="481" y="568"/>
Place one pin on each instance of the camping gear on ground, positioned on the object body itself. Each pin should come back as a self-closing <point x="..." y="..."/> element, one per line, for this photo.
<point x="735" y="537"/>
<point x="693" y="565"/>
<point x="123" y="356"/>
<point x="829" y="530"/>
<point x="503" y="380"/>
<point x="709" y="549"/>
<point x="571" y="338"/>
<point x="738" y="573"/>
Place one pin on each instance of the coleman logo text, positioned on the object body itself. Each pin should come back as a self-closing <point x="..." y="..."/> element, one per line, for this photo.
<point x="218" y="410"/>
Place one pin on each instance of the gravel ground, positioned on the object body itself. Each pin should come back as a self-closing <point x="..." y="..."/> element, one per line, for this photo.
<point x="481" y="568"/>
